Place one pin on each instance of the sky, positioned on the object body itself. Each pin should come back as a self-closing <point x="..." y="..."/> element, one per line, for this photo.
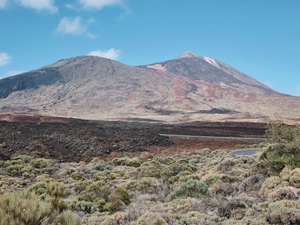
<point x="261" y="38"/>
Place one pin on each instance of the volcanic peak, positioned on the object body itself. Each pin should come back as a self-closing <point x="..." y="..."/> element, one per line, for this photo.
<point x="188" y="55"/>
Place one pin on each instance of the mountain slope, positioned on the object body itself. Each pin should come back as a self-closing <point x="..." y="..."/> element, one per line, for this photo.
<point x="184" y="89"/>
<point x="212" y="71"/>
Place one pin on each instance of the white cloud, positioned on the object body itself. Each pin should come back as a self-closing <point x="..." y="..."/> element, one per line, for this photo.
<point x="4" y="58"/>
<point x="39" y="5"/>
<point x="3" y="3"/>
<point x="110" y="54"/>
<point x="99" y="4"/>
<point x="14" y="72"/>
<point x="71" y="26"/>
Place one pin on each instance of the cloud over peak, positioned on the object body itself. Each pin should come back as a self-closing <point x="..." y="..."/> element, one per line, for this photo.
<point x="71" y="26"/>
<point x="4" y="58"/>
<point x="112" y="53"/>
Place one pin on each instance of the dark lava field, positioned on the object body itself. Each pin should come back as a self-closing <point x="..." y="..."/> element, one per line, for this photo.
<point x="77" y="140"/>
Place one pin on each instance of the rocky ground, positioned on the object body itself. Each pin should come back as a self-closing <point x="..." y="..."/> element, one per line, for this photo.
<point x="69" y="140"/>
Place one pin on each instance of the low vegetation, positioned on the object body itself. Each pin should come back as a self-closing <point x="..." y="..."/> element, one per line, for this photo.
<point x="210" y="187"/>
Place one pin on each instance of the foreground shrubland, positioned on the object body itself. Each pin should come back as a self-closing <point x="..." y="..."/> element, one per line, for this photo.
<point x="210" y="187"/>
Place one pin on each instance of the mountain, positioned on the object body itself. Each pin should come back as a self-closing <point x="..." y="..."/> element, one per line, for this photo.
<point x="188" y="88"/>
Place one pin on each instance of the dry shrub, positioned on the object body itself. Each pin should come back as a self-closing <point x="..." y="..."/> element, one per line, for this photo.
<point x="287" y="193"/>
<point x="271" y="184"/>
<point x="252" y="183"/>
<point x="284" y="212"/>
<point x="295" y="178"/>
<point x="197" y="218"/>
<point x="285" y="174"/>
<point x="151" y="219"/>
<point x="226" y="165"/>
<point x="221" y="188"/>
<point x="96" y="219"/>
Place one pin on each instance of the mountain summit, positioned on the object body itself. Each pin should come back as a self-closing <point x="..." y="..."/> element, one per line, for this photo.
<point x="184" y="89"/>
<point x="188" y="55"/>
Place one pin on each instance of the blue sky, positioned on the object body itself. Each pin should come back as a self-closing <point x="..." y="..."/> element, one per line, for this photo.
<point x="258" y="37"/>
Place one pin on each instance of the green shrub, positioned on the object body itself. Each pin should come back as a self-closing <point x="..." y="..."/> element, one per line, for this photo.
<point x="165" y="160"/>
<point x="96" y="193"/>
<point x="81" y="185"/>
<point x="65" y="218"/>
<point x="275" y="157"/>
<point x="176" y="168"/>
<point x="126" y="161"/>
<point x="40" y="163"/>
<point x="38" y="188"/>
<point x="22" y="208"/>
<point x="148" y="184"/>
<point x="24" y="158"/>
<point x="98" y="164"/>
<point x="14" y="170"/>
<point x="52" y="192"/>
<point x="77" y="175"/>
<point x="117" y="199"/>
<point x="150" y="169"/>
<point x="87" y="207"/>
<point x="56" y="189"/>
<point x="284" y="148"/>
<point x="191" y="188"/>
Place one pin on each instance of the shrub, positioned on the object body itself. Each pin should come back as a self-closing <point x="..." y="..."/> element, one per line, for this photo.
<point x="271" y="184"/>
<point x="151" y="219"/>
<point x="284" y="212"/>
<point x="126" y="161"/>
<point x="295" y="178"/>
<point x="40" y="163"/>
<point x="14" y="170"/>
<point x="288" y="193"/>
<point x="81" y="185"/>
<point x="284" y="148"/>
<point x="52" y="192"/>
<point x="117" y="199"/>
<point x="150" y="169"/>
<point x="164" y="160"/>
<point x="66" y="218"/>
<point x="176" y="168"/>
<point x="190" y="188"/>
<point x="222" y="177"/>
<point x="24" y="158"/>
<point x="22" y="208"/>
<point x="97" y="194"/>
<point x="38" y="188"/>
<point x="274" y="158"/>
<point x="98" y="164"/>
<point x="148" y="184"/>
<point x="87" y="207"/>
<point x="77" y="175"/>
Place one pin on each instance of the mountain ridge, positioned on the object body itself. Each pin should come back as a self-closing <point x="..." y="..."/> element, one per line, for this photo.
<point x="187" y="88"/>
